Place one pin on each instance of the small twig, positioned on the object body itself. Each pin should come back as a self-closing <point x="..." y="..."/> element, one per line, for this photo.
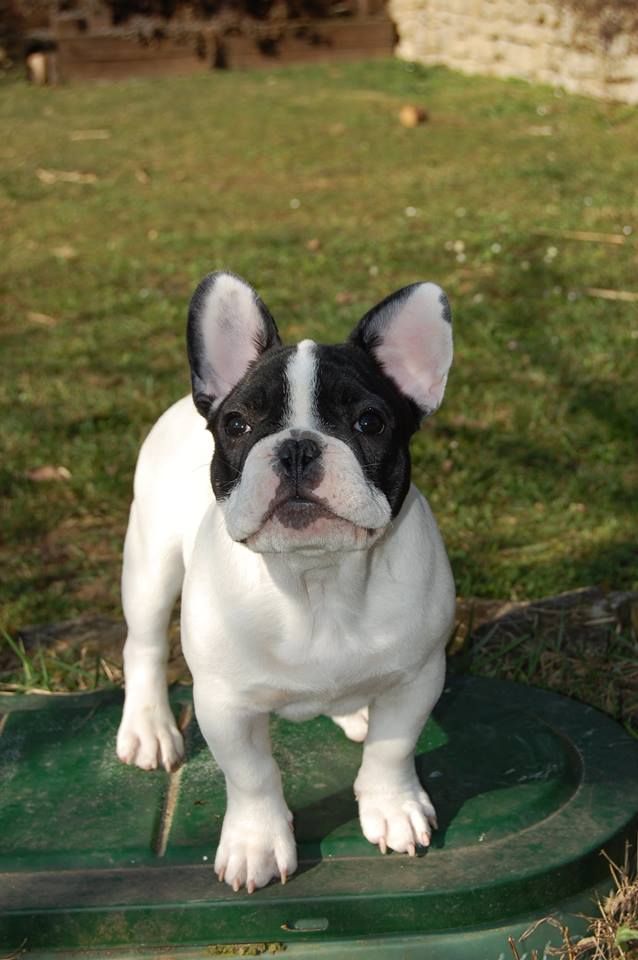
<point x="629" y="296"/>
<point x="586" y="236"/>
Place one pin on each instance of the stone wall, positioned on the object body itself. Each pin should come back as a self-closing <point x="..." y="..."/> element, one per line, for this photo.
<point x="582" y="47"/>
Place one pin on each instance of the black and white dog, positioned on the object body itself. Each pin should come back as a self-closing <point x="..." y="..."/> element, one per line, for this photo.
<point x="315" y="580"/>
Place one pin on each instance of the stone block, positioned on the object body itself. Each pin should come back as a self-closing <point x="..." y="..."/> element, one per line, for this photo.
<point x="622" y="71"/>
<point x="620" y="47"/>
<point x="536" y="39"/>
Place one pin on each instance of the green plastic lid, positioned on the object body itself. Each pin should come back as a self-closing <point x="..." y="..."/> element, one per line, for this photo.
<point x="528" y="786"/>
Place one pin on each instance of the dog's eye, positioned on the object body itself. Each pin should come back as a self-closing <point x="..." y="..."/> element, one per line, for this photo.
<point x="370" y="422"/>
<point x="235" y="425"/>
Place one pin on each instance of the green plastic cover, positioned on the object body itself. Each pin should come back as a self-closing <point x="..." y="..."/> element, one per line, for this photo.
<point x="529" y="788"/>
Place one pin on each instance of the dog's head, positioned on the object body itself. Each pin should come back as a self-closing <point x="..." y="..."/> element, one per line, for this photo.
<point x="311" y="441"/>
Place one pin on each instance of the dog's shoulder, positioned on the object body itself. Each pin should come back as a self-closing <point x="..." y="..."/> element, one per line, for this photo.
<point x="172" y="477"/>
<point x="176" y="443"/>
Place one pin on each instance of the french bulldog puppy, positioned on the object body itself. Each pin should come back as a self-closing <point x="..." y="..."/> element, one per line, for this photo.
<point x="314" y="579"/>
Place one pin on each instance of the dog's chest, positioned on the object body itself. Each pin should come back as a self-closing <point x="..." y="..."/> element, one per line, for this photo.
<point x="335" y="648"/>
<point x="299" y="645"/>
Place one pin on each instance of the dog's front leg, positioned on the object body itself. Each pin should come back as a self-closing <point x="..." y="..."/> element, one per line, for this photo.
<point x="151" y="579"/>
<point x="257" y="842"/>
<point x="394" y="809"/>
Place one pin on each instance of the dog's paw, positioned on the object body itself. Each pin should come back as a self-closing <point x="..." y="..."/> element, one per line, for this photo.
<point x="354" y="725"/>
<point x="397" y="821"/>
<point x="149" y="738"/>
<point x="255" y="849"/>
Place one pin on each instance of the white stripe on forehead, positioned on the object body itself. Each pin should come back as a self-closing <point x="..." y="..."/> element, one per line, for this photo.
<point x="301" y="374"/>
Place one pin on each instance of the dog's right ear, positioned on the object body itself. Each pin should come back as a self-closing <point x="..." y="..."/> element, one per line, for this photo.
<point x="228" y="329"/>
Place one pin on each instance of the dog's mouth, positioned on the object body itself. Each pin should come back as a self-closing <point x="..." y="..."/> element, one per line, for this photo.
<point x="301" y="521"/>
<point x="299" y="511"/>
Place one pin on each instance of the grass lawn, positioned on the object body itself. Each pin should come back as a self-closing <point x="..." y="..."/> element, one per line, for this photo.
<point x="116" y="199"/>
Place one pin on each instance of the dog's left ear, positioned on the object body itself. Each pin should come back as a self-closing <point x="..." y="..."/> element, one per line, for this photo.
<point x="229" y="327"/>
<point x="410" y="336"/>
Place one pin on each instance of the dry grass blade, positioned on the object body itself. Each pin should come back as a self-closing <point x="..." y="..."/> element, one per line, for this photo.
<point x="610" y="935"/>
<point x="581" y="643"/>
<point x="513" y="948"/>
<point x="22" y="949"/>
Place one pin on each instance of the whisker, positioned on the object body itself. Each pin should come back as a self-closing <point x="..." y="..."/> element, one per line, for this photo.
<point x="201" y="466"/>
<point x="229" y="465"/>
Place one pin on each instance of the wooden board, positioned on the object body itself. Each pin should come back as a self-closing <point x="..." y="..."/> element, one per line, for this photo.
<point x="112" y="55"/>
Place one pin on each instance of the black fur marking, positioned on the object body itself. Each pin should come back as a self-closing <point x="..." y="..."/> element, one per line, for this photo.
<point x="445" y="307"/>
<point x="350" y="381"/>
<point x="261" y="398"/>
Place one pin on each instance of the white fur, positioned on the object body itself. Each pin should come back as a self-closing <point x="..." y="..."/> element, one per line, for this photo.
<point x="301" y="375"/>
<point x="300" y="633"/>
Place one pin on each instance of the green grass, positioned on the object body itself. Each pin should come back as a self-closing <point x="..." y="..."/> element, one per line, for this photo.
<point x="531" y="463"/>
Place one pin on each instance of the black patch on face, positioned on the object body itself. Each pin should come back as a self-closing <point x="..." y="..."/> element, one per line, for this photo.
<point x="261" y="399"/>
<point x="349" y="383"/>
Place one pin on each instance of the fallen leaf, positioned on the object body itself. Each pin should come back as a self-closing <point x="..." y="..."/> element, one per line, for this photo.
<point x="411" y="115"/>
<point x="313" y="245"/>
<point x="142" y="175"/>
<point x="65" y="252"/>
<point x="344" y="297"/>
<point x="48" y="472"/>
<point x="90" y="135"/>
<point x="64" y="176"/>
<point x="43" y="319"/>
<point x="542" y="131"/>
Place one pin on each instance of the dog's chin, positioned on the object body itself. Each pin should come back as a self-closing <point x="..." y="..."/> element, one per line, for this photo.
<point x="299" y="525"/>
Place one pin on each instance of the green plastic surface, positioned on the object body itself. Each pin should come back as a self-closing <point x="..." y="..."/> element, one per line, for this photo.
<point x="528" y="786"/>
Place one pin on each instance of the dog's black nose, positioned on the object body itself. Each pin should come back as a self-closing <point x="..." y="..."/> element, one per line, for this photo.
<point x="297" y="456"/>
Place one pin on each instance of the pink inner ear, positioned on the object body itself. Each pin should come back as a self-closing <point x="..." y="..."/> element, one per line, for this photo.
<point x="232" y="355"/>
<point x="416" y="347"/>
<point x="231" y="326"/>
